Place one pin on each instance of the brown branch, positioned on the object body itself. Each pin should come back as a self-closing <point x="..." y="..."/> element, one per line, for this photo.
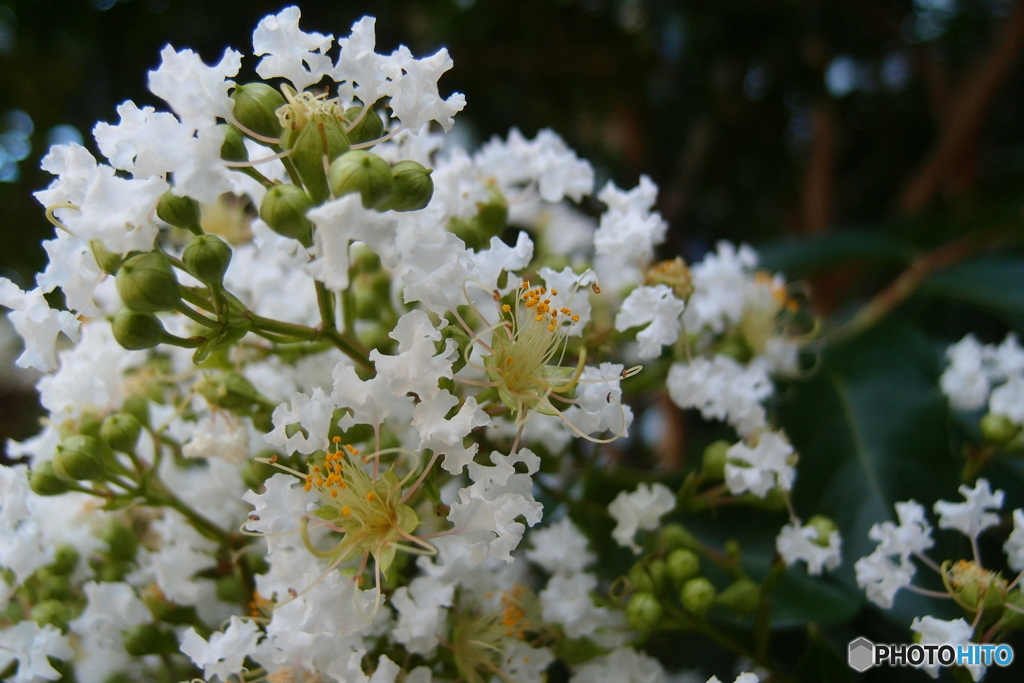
<point x="818" y="182"/>
<point x="909" y="280"/>
<point x="972" y="102"/>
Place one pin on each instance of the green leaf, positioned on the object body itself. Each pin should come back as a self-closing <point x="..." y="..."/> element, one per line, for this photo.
<point x="994" y="282"/>
<point x="871" y="428"/>
<point x="822" y="662"/>
<point x="807" y="256"/>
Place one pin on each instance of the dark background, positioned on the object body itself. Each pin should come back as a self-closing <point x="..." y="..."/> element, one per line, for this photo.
<point x="851" y="142"/>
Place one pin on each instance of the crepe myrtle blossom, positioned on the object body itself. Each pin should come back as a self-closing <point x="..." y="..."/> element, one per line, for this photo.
<point x="817" y="544"/>
<point x="523" y="357"/>
<point x="891" y="567"/>
<point x="641" y="509"/>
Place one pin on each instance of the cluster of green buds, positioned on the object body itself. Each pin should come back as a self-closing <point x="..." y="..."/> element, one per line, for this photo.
<point x="1002" y="433"/>
<point x="324" y="147"/>
<point x="668" y="589"/>
<point x="88" y="456"/>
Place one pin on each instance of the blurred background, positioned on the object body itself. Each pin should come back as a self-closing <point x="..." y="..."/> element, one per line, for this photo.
<point x="842" y="138"/>
<point x="872" y="150"/>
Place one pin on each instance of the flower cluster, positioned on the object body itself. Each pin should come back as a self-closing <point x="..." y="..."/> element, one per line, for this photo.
<point x="328" y="398"/>
<point x="994" y="605"/>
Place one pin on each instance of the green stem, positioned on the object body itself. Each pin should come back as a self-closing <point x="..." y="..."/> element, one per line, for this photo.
<point x="191" y="296"/>
<point x="195" y="316"/>
<point x="325" y="301"/>
<point x="347" y="346"/>
<point x="160" y="495"/>
<point x="190" y="343"/>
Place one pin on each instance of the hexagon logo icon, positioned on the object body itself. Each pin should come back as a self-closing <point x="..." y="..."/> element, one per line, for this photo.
<point x="861" y="656"/>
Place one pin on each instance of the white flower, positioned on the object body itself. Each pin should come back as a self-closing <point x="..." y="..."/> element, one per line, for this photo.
<point x="745" y="677"/>
<point x="913" y="535"/>
<point x="973" y="515"/>
<point x="422" y="614"/>
<point x="623" y="665"/>
<point x="628" y="231"/>
<point x="413" y="90"/>
<point x="30" y="645"/>
<point x="721" y="283"/>
<point x="1008" y="400"/>
<point x="641" y="509"/>
<point x="223" y="654"/>
<point x="659" y="309"/>
<point x="145" y="142"/>
<point x="965" y="381"/>
<point x="360" y="70"/>
<point x="567" y="601"/>
<point x="762" y="467"/>
<point x="197" y="93"/>
<point x="119" y="212"/>
<point x="415" y="369"/>
<point x="444" y="436"/>
<point x="298" y="56"/>
<point x="598" y="406"/>
<point x="546" y="160"/>
<point x="796" y="542"/>
<point x="955" y="632"/>
<point x="73" y="268"/>
<point x="38" y="325"/>
<point x="113" y="608"/>
<point x="338" y="223"/>
<point x="881" y="578"/>
<point x="722" y="389"/>
<point x="1014" y="546"/>
<point x="312" y="413"/>
<point x="485" y="513"/>
<point x="560" y="548"/>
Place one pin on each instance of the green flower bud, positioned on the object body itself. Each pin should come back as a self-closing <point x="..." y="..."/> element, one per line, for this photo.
<point x="136" y="331"/>
<point x="362" y="172"/>
<point x="284" y="209"/>
<point x="256" y="106"/>
<point x="206" y="257"/>
<point x="108" y="261"/>
<point x="230" y="391"/>
<point x="824" y="526"/>
<point x="676" y="536"/>
<point x="742" y="596"/>
<point x="80" y="457"/>
<point x="370" y="128"/>
<point x="320" y="138"/>
<point x="122" y="542"/>
<point x="490" y="221"/>
<point x="146" y="283"/>
<point x="639" y="579"/>
<point x="713" y="466"/>
<point x="736" y="348"/>
<point x="181" y="212"/>
<point x="658" y="571"/>
<point x="233" y="148"/>
<point x="53" y="612"/>
<point x="65" y="560"/>
<point x="998" y="429"/>
<point x="45" y="482"/>
<point x="413" y="187"/>
<point x="682" y="564"/>
<point x="643" y="612"/>
<point x="121" y="432"/>
<point x="139" y="407"/>
<point x="89" y="423"/>
<point x="230" y="589"/>
<point x="696" y="595"/>
<point x="149" y="639"/>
